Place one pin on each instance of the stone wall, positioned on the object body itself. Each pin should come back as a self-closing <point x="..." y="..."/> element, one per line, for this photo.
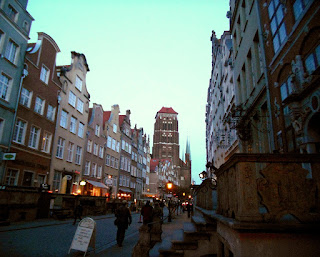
<point x="26" y="203"/>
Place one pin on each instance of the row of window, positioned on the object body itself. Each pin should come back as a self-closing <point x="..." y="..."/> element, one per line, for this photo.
<point x="39" y="105"/>
<point x="97" y="149"/>
<point x="124" y="181"/>
<point x="73" y="124"/>
<point x="112" y="161"/>
<point x="113" y="144"/>
<point x="96" y="170"/>
<point x="70" y="151"/>
<point x="75" y="103"/>
<point x="19" y="135"/>
<point x="126" y="146"/>
<point x="167" y="125"/>
<point x="125" y="163"/>
<point x="12" y="177"/>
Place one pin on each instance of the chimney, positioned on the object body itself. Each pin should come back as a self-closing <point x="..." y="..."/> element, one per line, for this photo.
<point x="128" y="112"/>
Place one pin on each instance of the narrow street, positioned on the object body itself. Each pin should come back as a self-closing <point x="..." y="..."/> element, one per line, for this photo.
<point x="55" y="240"/>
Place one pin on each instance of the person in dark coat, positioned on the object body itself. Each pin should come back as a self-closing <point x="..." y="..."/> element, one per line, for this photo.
<point x="146" y="212"/>
<point x="189" y="209"/>
<point x="77" y="213"/>
<point x="123" y="220"/>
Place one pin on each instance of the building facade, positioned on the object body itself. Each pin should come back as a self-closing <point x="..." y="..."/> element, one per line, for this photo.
<point x="35" y="124"/>
<point x="221" y="137"/>
<point x="94" y="155"/>
<point x="124" y="190"/>
<point x="267" y="193"/>
<point x="15" y="24"/>
<point x="70" y="138"/>
<point x="292" y="48"/>
<point x="112" y="132"/>
<point x="251" y="115"/>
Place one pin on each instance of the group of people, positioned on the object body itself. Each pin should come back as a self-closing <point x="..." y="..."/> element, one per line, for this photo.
<point x="124" y="219"/>
<point x="123" y="216"/>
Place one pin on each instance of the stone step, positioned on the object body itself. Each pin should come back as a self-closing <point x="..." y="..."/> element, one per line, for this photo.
<point x="202" y="225"/>
<point x="166" y="244"/>
<point x="170" y="253"/>
<point x="196" y="235"/>
<point x="189" y="227"/>
<point x="184" y="245"/>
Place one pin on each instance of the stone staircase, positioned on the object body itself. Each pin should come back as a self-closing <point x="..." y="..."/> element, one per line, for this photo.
<point x="196" y="239"/>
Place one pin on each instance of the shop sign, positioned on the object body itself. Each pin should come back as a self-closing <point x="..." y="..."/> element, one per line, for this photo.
<point x="108" y="181"/>
<point x="9" y="156"/>
<point x="85" y="236"/>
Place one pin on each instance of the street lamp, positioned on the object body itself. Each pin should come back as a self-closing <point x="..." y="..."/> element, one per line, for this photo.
<point x="169" y="187"/>
<point x="203" y="175"/>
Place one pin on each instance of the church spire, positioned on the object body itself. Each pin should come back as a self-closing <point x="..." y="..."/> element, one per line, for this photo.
<point x="188" y="152"/>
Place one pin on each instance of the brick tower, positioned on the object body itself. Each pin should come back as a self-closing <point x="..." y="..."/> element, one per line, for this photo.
<point x="166" y="135"/>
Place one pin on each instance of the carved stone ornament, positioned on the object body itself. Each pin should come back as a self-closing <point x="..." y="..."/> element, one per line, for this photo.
<point x="284" y="189"/>
<point x="298" y="117"/>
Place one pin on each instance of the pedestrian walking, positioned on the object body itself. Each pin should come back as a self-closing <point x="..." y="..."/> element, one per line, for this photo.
<point x="146" y="212"/>
<point x="123" y="220"/>
<point x="157" y="213"/>
<point x="77" y="212"/>
<point x="189" y="209"/>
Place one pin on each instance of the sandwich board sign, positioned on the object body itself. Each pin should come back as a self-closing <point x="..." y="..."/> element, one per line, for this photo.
<point x="85" y="236"/>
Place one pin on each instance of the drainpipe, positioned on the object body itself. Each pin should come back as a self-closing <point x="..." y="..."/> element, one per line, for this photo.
<point x="261" y="39"/>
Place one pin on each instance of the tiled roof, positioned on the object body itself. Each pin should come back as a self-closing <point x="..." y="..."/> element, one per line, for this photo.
<point x="167" y="110"/>
<point x="106" y="116"/>
<point x="121" y="119"/>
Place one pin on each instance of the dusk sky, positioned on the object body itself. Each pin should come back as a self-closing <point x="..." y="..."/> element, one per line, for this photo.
<point x="142" y="55"/>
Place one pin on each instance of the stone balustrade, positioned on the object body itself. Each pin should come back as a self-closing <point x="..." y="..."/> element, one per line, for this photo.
<point x="272" y="188"/>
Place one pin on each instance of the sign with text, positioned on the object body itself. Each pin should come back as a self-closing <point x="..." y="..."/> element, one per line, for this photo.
<point x="84" y="236"/>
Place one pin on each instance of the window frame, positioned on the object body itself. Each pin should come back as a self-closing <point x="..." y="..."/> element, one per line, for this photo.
<point x="87" y="168"/>
<point x="20" y="133"/>
<point x="278" y="37"/>
<point x="97" y="130"/>
<point x="11" y="51"/>
<point x="78" y="83"/>
<point x="46" y="142"/>
<point x="73" y="125"/>
<point x="72" y="99"/>
<point x="78" y="155"/>
<point x="37" y="105"/>
<point x="25" y="97"/>
<point x="70" y="151"/>
<point x="51" y="110"/>
<point x="44" y="74"/>
<point x="34" y="137"/>
<point x="5" y="86"/>
<point x="80" y="105"/>
<point x="11" y="177"/>
<point x="12" y="13"/>
<point x="60" y="147"/>
<point x="64" y="119"/>
<point x="80" y="129"/>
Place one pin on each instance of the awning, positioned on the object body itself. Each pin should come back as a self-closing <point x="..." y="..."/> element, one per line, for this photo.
<point x="127" y="190"/>
<point x="97" y="184"/>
